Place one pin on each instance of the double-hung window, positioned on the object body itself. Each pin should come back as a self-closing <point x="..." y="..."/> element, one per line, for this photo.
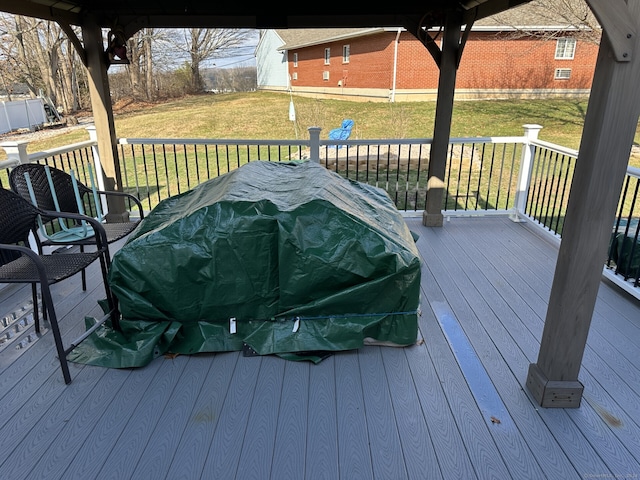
<point x="565" y="48"/>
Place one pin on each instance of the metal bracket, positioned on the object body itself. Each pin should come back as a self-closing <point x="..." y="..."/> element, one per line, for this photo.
<point x="618" y="25"/>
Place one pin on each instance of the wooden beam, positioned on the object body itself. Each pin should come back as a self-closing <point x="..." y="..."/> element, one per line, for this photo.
<point x="103" y="116"/>
<point x="619" y="26"/>
<point x="75" y="41"/>
<point x="609" y="129"/>
<point x="40" y="10"/>
<point x="414" y="25"/>
<point x="432" y="216"/>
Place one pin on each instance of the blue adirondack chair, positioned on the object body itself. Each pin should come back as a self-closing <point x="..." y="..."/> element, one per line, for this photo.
<point x="341" y="133"/>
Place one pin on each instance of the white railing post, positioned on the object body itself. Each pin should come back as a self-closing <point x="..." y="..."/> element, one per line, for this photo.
<point x="314" y="144"/>
<point x="531" y="132"/>
<point x="16" y="153"/>
<point x="97" y="166"/>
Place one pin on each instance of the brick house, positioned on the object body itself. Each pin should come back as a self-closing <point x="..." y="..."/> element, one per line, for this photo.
<point x="503" y="57"/>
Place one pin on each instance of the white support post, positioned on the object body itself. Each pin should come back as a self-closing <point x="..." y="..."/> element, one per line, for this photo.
<point x="314" y="144"/>
<point x="531" y="132"/>
<point x="16" y="153"/>
<point x="97" y="166"/>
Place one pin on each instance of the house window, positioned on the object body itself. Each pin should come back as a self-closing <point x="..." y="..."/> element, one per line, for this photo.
<point x="346" y="49"/>
<point x="295" y="59"/>
<point x="295" y="75"/>
<point x="565" y="48"/>
<point x="562" y="73"/>
<point x="325" y="75"/>
<point x="327" y="55"/>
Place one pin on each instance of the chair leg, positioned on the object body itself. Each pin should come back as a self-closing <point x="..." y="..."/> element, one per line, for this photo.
<point x="47" y="302"/>
<point x="111" y="299"/>
<point x="36" y="314"/>
<point x="45" y="315"/>
<point x="83" y="274"/>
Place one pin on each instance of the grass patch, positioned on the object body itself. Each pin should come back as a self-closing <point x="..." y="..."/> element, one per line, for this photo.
<point x="265" y="115"/>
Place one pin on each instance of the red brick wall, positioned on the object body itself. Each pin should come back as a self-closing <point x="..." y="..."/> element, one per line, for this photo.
<point x="489" y="61"/>
<point x="370" y="63"/>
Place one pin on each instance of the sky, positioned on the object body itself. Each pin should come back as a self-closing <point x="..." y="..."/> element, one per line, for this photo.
<point x="245" y="56"/>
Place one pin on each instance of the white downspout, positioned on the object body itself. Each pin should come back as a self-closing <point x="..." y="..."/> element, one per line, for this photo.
<point x="395" y="66"/>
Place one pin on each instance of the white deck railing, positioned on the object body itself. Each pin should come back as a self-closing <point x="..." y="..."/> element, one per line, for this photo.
<point x="522" y="176"/>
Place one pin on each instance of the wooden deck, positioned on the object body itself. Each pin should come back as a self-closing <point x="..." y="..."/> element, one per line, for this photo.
<point x="452" y="406"/>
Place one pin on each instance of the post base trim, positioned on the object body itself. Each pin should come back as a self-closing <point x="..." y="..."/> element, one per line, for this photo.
<point x="432" y="219"/>
<point x="552" y="393"/>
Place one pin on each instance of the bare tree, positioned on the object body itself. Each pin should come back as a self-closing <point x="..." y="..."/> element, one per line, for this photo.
<point x="236" y="79"/>
<point x="574" y="16"/>
<point x="141" y="69"/>
<point x="38" y="54"/>
<point x="202" y="44"/>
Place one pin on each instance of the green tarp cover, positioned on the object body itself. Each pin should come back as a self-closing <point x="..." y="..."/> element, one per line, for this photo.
<point x="291" y="256"/>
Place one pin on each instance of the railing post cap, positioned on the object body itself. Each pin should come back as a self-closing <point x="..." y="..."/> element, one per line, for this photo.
<point x="13" y="143"/>
<point x="14" y="148"/>
<point x="531" y="130"/>
<point x="93" y="133"/>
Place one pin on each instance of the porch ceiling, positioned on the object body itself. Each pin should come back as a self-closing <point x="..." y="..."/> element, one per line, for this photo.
<point x="187" y="13"/>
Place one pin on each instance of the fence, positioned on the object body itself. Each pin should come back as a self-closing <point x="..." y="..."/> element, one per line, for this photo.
<point x="22" y="114"/>
<point x="516" y="176"/>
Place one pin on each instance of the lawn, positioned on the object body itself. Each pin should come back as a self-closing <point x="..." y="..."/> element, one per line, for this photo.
<point x="264" y="115"/>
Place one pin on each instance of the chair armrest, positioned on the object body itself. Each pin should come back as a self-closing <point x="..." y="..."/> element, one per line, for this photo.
<point x="33" y="256"/>
<point x="133" y="198"/>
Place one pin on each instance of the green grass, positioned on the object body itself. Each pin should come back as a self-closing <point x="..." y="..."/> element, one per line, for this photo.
<point x="263" y="115"/>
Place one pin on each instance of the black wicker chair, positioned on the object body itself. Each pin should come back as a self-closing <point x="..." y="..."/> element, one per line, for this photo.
<point x="20" y="264"/>
<point x="67" y="202"/>
<point x="66" y="196"/>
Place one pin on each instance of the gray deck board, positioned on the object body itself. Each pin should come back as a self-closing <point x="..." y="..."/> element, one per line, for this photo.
<point x="257" y="449"/>
<point x="142" y="419"/>
<point x="613" y="445"/>
<point x="477" y="289"/>
<point x="384" y="440"/>
<point x="322" y="460"/>
<point x="353" y="434"/>
<point x="292" y="430"/>
<point x="106" y="431"/>
<point x="375" y="413"/>
<point x="191" y="453"/>
<point x="163" y="442"/>
<point x="232" y="423"/>
<point x="453" y="462"/>
<point x="417" y="443"/>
